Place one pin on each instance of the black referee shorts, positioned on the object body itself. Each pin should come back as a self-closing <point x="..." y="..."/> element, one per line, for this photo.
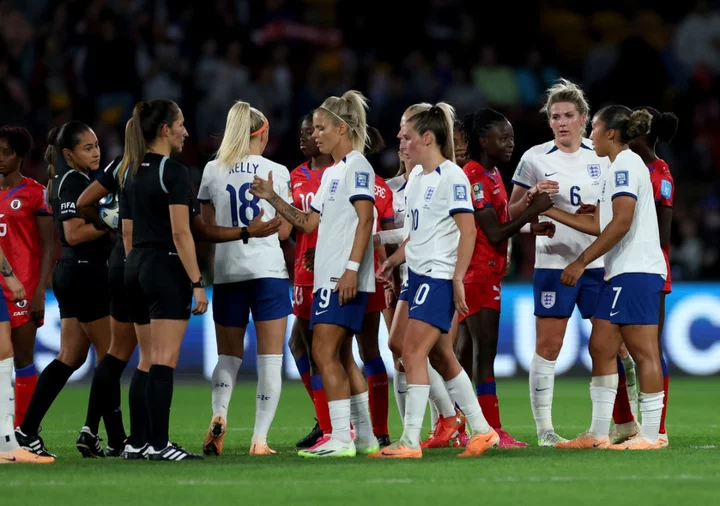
<point x="119" y="304"/>
<point x="82" y="290"/>
<point x="157" y="286"/>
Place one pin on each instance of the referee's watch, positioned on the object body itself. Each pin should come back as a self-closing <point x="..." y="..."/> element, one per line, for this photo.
<point x="244" y="235"/>
<point x="200" y="283"/>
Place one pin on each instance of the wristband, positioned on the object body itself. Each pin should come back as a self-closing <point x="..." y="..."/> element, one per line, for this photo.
<point x="353" y="266"/>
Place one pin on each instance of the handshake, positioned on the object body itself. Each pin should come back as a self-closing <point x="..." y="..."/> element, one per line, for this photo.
<point x="538" y="200"/>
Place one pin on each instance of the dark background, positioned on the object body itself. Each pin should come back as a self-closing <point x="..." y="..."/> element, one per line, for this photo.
<point x="92" y="60"/>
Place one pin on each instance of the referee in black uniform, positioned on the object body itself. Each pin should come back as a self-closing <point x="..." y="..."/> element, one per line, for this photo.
<point x="162" y="274"/>
<point x="79" y="283"/>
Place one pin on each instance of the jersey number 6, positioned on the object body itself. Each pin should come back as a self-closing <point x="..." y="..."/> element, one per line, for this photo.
<point x="575" y="197"/>
<point x="245" y="204"/>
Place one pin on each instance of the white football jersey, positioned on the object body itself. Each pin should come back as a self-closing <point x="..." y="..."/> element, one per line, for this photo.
<point x="639" y="251"/>
<point x="350" y="179"/>
<point x="228" y="188"/>
<point x="580" y="176"/>
<point x="399" y="185"/>
<point x="432" y="200"/>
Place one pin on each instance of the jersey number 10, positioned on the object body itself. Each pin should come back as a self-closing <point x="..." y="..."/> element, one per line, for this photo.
<point x="241" y="212"/>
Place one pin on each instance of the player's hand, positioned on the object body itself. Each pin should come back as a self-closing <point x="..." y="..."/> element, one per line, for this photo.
<point x="263" y="188"/>
<point x="543" y="228"/>
<point x="259" y="228"/>
<point x="384" y="272"/>
<point x="572" y="273"/>
<point x="541" y="202"/>
<point x="544" y="186"/>
<point x="309" y="259"/>
<point x="16" y="288"/>
<point x="459" y="296"/>
<point x="346" y="287"/>
<point x="390" y="296"/>
<point x="37" y="308"/>
<point x="585" y="209"/>
<point x="201" y="301"/>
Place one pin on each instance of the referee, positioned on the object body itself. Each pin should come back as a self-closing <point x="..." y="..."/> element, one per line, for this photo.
<point x="161" y="274"/>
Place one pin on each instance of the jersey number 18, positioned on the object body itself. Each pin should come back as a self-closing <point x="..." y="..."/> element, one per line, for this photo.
<point x="241" y="212"/>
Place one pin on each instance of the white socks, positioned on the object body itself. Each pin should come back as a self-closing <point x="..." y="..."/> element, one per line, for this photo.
<point x="340" y="420"/>
<point x="7" y="407"/>
<point x="439" y="397"/>
<point x="400" y="384"/>
<point x="461" y="390"/>
<point x="603" y="390"/>
<point x="417" y="399"/>
<point x="360" y="417"/>
<point x="542" y="384"/>
<point x="651" y="406"/>
<point x="269" y="387"/>
<point x="223" y="382"/>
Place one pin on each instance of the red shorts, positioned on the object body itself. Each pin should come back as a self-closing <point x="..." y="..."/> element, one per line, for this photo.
<point x="376" y="301"/>
<point x="302" y="301"/>
<point x="479" y="295"/>
<point x="20" y="313"/>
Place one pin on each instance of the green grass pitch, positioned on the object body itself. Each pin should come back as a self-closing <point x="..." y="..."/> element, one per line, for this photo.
<point x="686" y="473"/>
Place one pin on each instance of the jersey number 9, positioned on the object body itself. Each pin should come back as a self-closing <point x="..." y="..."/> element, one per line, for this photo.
<point x="241" y="212"/>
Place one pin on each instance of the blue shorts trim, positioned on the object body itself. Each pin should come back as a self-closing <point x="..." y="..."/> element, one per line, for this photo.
<point x="431" y="300"/>
<point x="4" y="313"/>
<point x="266" y="298"/>
<point x="404" y="291"/>
<point x="631" y="299"/>
<point x="326" y="309"/>
<point x="553" y="299"/>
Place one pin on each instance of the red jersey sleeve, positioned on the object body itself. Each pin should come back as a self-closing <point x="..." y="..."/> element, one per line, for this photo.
<point x="481" y="191"/>
<point x="40" y="205"/>
<point x="663" y="187"/>
<point x="384" y="202"/>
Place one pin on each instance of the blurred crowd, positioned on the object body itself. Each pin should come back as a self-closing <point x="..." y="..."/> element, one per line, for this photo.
<point x="93" y="59"/>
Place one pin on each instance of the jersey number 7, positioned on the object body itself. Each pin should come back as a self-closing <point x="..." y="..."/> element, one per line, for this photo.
<point x="241" y="212"/>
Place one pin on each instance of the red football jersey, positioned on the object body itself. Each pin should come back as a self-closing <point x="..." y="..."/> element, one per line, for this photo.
<point x="488" y="191"/>
<point x="305" y="184"/>
<point x="664" y="190"/>
<point x="19" y="233"/>
<point x="384" y="206"/>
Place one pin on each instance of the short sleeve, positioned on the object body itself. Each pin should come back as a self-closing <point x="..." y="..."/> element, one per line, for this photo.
<point x="175" y="181"/>
<point x="125" y="211"/>
<point x="282" y="185"/>
<point x="40" y="205"/>
<point x="108" y="177"/>
<point x="194" y="206"/>
<point x="71" y="186"/>
<point x="360" y="179"/>
<point x="388" y="213"/>
<point x="525" y="173"/>
<point x="317" y="201"/>
<point x="458" y="193"/>
<point x="624" y="183"/>
<point x="204" y="194"/>
<point x="664" y="190"/>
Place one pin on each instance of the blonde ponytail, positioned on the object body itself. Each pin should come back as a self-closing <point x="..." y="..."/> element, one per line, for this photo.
<point x="242" y="123"/>
<point x="440" y="120"/>
<point x="135" y="147"/>
<point x="351" y="110"/>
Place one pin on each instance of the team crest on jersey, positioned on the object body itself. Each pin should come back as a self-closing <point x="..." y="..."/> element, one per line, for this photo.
<point x="594" y="170"/>
<point x="665" y="189"/>
<point x="621" y="178"/>
<point x="429" y="193"/>
<point x="547" y="299"/>
<point x="460" y="192"/>
<point x="362" y="180"/>
<point x="477" y="189"/>
<point x="22" y="304"/>
<point x="15" y="204"/>
<point x="334" y="186"/>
